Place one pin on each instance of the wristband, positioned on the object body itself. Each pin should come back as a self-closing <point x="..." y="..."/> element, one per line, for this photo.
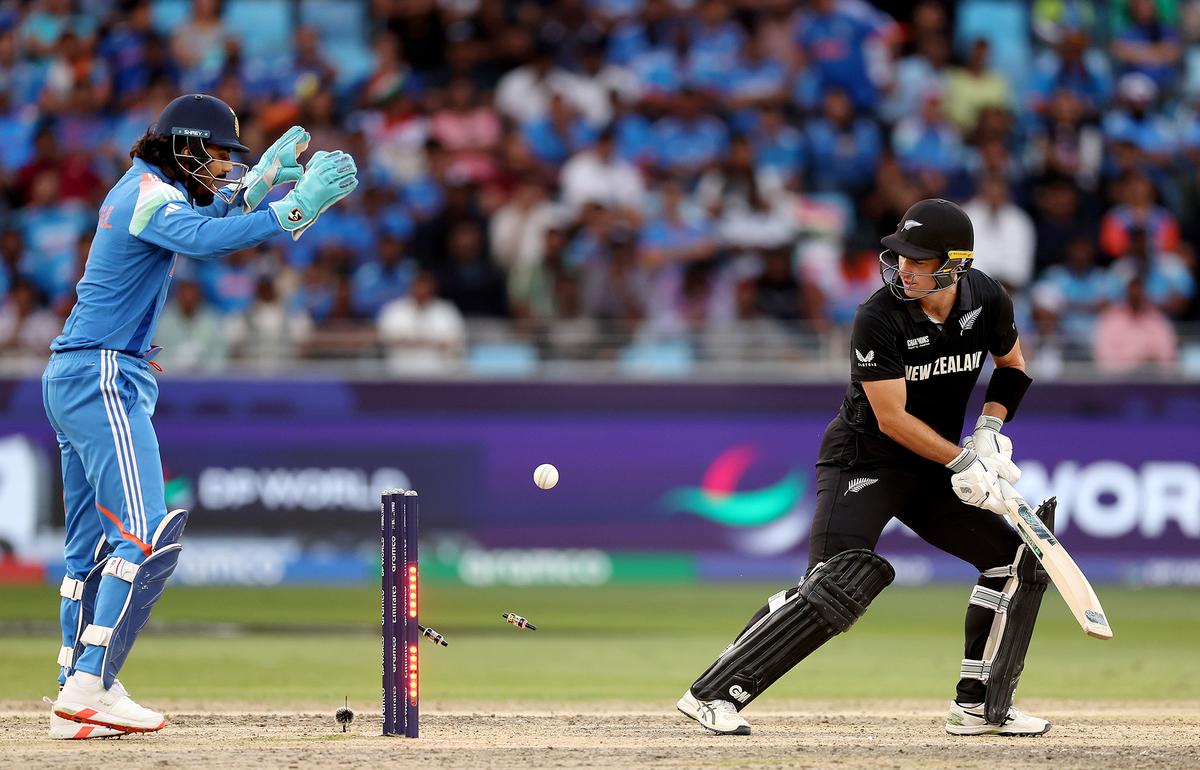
<point x="1007" y="387"/>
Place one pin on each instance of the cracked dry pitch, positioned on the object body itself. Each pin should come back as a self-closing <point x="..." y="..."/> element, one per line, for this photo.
<point x="848" y="735"/>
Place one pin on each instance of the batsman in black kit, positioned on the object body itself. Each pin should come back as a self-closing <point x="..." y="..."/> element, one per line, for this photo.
<point x="917" y="348"/>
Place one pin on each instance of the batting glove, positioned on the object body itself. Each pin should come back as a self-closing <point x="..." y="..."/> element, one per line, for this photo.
<point x="330" y="176"/>
<point x="975" y="481"/>
<point x="989" y="442"/>
<point x="278" y="165"/>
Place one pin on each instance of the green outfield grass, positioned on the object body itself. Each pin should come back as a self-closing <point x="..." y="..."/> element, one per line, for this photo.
<point x="641" y="643"/>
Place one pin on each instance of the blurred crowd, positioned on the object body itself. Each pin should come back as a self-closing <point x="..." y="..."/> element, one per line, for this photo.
<point x="637" y="179"/>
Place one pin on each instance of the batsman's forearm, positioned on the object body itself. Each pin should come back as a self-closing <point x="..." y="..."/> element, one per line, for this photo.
<point x="915" y="434"/>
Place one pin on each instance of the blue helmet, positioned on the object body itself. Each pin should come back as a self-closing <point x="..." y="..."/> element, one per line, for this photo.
<point x="197" y="122"/>
<point x="201" y="116"/>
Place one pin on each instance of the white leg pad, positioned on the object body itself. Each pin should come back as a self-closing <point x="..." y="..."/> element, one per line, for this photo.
<point x="66" y="657"/>
<point x="97" y="635"/>
<point x="71" y="589"/>
<point x="119" y="568"/>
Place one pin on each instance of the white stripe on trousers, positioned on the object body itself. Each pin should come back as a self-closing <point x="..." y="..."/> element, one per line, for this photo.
<point x="137" y="476"/>
<point x="123" y="442"/>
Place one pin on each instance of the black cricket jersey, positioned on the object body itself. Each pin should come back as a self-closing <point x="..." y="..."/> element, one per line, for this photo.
<point x="894" y="339"/>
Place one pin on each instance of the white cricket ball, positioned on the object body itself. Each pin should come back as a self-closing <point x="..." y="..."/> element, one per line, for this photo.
<point x="545" y="476"/>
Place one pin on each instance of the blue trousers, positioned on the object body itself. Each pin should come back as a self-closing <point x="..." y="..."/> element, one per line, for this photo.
<point x="100" y="403"/>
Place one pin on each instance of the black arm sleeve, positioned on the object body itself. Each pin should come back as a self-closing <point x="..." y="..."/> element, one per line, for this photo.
<point x="874" y="348"/>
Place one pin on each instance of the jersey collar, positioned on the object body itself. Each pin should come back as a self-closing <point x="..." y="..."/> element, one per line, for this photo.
<point x="963" y="302"/>
<point x="158" y="172"/>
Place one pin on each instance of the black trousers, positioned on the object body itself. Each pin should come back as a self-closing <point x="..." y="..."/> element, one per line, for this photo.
<point x="855" y="504"/>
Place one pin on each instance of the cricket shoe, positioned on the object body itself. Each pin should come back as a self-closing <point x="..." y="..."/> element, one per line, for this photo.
<point x="66" y="730"/>
<point x="89" y="703"/>
<point x="719" y="716"/>
<point x="971" y="720"/>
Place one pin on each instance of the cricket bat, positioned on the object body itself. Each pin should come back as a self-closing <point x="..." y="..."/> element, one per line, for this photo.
<point x="1067" y="577"/>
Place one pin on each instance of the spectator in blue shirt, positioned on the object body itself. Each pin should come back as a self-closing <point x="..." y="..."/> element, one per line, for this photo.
<point x="229" y="284"/>
<point x="663" y="69"/>
<point x="756" y="82"/>
<point x="928" y="142"/>
<point x="50" y="230"/>
<point x="842" y="149"/>
<point x="1166" y="279"/>
<point x="559" y="135"/>
<point x="778" y="146"/>
<point x="716" y="43"/>
<point x="1137" y="122"/>
<point x="914" y="75"/>
<point x="1148" y="45"/>
<point x="1073" y="67"/>
<point x="383" y="279"/>
<point x="128" y="50"/>
<point x="653" y="28"/>
<point x="317" y="293"/>
<point x="1074" y="292"/>
<point x="671" y="237"/>
<point x="690" y="140"/>
<point x="835" y="40"/>
<point x="634" y="134"/>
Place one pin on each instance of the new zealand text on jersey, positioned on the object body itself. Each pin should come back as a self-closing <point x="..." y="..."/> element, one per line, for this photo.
<point x="962" y="362"/>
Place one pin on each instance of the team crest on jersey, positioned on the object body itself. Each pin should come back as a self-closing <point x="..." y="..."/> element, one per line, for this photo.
<point x="865" y="360"/>
<point x="968" y="320"/>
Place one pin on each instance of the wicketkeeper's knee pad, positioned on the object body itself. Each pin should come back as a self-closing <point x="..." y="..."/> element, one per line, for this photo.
<point x="146" y="584"/>
<point x="794" y="624"/>
<point x="1016" y="608"/>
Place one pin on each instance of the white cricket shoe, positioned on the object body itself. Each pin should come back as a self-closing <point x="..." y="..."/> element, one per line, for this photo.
<point x="971" y="720"/>
<point x="90" y="703"/>
<point x="66" y="730"/>
<point x="720" y="716"/>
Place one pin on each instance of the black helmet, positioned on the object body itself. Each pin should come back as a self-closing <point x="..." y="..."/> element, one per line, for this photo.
<point x="201" y="116"/>
<point x="197" y="122"/>
<point x="930" y="229"/>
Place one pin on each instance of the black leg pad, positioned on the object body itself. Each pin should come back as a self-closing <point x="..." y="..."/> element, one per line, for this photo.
<point x="794" y="624"/>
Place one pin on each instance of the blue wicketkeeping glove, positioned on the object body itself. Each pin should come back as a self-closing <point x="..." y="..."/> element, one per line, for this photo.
<point x="278" y="165"/>
<point x="329" y="177"/>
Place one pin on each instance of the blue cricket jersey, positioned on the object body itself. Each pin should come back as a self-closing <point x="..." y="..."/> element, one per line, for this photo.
<point x="145" y="222"/>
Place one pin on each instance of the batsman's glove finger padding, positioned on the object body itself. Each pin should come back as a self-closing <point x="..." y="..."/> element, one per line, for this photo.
<point x="991" y="443"/>
<point x="329" y="177"/>
<point x="280" y="164"/>
<point x="975" y="481"/>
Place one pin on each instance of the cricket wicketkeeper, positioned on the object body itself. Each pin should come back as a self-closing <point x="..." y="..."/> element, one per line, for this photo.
<point x="917" y="347"/>
<point x="100" y="393"/>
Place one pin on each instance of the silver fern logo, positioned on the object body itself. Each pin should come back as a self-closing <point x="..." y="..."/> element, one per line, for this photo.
<point x="857" y="485"/>
<point x="968" y="320"/>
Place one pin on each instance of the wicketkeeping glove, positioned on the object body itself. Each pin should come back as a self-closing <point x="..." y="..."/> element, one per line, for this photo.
<point x="278" y="165"/>
<point x="989" y="442"/>
<point x="975" y="481"/>
<point x="329" y="177"/>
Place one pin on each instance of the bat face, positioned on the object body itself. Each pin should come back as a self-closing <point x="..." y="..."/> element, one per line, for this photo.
<point x="1070" y="581"/>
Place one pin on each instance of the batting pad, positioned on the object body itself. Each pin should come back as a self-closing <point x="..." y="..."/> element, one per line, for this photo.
<point x="146" y="584"/>
<point x="794" y="624"/>
<point x="1016" y="608"/>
